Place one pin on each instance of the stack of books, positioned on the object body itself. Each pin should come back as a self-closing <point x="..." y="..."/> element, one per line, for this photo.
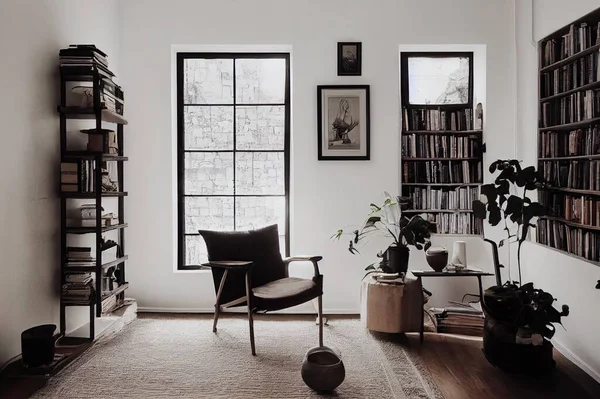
<point x="108" y="303"/>
<point x="579" y="38"/>
<point x="80" y="256"/>
<point x="456" y="199"/>
<point x="436" y="119"/>
<point x="576" y="241"/>
<point x="439" y="146"/>
<point x="78" y="176"/>
<point x="574" y="143"/>
<point x="78" y="289"/>
<point x="78" y="57"/>
<point x="454" y="223"/>
<point x="88" y="216"/>
<point x="458" y="318"/>
<point x="443" y="172"/>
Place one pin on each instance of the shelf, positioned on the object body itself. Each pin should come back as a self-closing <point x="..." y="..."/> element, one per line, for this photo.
<point x="592" y="85"/>
<point x="75" y="195"/>
<point x="571" y="190"/>
<point x="566" y="253"/>
<point x="570" y="59"/>
<point x="71" y="269"/>
<point x="595" y="156"/>
<point x="571" y="126"/>
<point x="90" y="113"/>
<point x="448" y="235"/>
<point x="442" y="184"/>
<point x="93" y="155"/>
<point x="440" y="159"/>
<point x="116" y="291"/>
<point x="572" y="224"/>
<point x="450" y="132"/>
<point x="438" y="211"/>
<point x="89" y="230"/>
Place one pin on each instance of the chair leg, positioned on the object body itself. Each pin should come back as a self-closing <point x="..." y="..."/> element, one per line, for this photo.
<point x="250" y="318"/>
<point x="321" y="320"/>
<point x="218" y="304"/>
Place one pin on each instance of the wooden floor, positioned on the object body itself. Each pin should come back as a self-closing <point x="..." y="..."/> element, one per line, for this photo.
<point x="457" y="366"/>
<point x="461" y="371"/>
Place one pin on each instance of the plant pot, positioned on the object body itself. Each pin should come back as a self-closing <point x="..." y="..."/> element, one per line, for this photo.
<point x="37" y="345"/>
<point x="398" y="259"/>
<point x="322" y="369"/>
<point x="502" y="351"/>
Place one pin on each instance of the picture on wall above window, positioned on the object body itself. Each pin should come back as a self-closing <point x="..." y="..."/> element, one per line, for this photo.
<point x="343" y="122"/>
<point x="440" y="78"/>
<point x="349" y="59"/>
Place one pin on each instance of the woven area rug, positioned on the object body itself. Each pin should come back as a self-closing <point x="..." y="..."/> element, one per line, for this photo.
<point x="160" y="356"/>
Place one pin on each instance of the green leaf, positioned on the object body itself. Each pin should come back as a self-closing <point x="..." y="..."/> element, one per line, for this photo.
<point x="337" y="235"/>
<point x="375" y="208"/>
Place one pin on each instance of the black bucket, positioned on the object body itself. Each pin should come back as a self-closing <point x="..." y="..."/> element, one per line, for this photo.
<point x="37" y="345"/>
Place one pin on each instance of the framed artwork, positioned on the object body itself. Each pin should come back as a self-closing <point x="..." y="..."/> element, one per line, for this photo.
<point x="349" y="59"/>
<point x="343" y="122"/>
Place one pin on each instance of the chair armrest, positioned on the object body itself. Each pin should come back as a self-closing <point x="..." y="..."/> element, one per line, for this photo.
<point x="229" y="264"/>
<point x="313" y="259"/>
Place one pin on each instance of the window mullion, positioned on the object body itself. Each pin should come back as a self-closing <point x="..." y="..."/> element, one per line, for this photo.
<point x="234" y="144"/>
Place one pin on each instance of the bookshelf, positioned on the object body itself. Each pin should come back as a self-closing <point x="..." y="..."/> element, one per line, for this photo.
<point x="441" y="154"/>
<point x="92" y="247"/>
<point x="569" y="138"/>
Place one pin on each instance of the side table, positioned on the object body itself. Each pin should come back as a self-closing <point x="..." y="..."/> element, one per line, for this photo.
<point x="466" y="273"/>
<point x="391" y="308"/>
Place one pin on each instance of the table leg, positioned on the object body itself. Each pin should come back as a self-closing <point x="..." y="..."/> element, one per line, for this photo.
<point x="422" y="311"/>
<point x="480" y="290"/>
<point x="250" y="310"/>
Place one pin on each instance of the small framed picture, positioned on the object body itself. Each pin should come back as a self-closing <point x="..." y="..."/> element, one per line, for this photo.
<point x="343" y="122"/>
<point x="349" y="59"/>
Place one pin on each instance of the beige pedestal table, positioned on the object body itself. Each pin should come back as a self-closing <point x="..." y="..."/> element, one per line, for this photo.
<point x="392" y="308"/>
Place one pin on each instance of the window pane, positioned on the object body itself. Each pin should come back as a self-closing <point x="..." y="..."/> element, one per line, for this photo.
<point x="195" y="251"/>
<point x="208" y="173"/>
<point x="256" y="212"/>
<point x="208" y="213"/>
<point x="207" y="81"/>
<point x="259" y="173"/>
<point x="260" y="128"/>
<point x="260" y="81"/>
<point x="438" y="80"/>
<point x="208" y="128"/>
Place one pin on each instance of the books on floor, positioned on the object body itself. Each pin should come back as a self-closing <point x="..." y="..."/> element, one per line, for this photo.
<point x="458" y="318"/>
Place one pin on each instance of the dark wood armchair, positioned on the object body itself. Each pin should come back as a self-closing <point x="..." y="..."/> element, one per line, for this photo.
<point x="247" y="269"/>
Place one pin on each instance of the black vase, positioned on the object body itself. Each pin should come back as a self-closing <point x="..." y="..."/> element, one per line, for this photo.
<point x="37" y="345"/>
<point x="398" y="259"/>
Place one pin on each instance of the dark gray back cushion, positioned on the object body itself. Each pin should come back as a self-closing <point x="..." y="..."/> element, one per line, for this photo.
<point x="260" y="246"/>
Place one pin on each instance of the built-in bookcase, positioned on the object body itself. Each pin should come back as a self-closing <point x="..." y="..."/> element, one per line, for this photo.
<point x="441" y="141"/>
<point x="569" y="138"/>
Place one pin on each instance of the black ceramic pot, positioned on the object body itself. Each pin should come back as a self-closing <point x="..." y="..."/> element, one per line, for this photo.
<point x="37" y="345"/>
<point x="398" y="259"/>
<point x="322" y="369"/>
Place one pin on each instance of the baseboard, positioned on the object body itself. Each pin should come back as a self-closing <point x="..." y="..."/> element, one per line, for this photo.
<point x="575" y="359"/>
<point x="144" y="309"/>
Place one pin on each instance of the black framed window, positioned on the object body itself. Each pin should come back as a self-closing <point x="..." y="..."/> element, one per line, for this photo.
<point x="437" y="79"/>
<point x="233" y="146"/>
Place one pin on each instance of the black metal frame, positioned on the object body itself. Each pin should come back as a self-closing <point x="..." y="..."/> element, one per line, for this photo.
<point x="340" y="69"/>
<point x="94" y="75"/>
<point x="404" y="78"/>
<point x="181" y="151"/>
<point x="320" y="117"/>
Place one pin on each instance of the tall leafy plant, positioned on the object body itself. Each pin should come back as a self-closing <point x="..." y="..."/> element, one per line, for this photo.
<point x="387" y="220"/>
<point x="506" y="200"/>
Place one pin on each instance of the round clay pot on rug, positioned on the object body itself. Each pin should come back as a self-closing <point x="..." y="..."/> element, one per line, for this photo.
<point x="322" y="369"/>
<point x="398" y="258"/>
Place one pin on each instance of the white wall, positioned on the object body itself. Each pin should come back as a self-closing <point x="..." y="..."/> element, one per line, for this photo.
<point x="31" y="33"/>
<point x="570" y="280"/>
<point x="325" y="195"/>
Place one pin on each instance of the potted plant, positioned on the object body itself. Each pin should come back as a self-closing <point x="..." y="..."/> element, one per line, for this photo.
<point x="519" y="318"/>
<point x="388" y="221"/>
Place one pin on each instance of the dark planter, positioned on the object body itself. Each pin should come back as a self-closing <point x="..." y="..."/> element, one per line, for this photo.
<point x="37" y="345"/>
<point x="398" y="259"/>
<point x="501" y="350"/>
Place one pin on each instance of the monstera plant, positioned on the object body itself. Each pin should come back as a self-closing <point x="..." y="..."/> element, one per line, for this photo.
<point x="388" y="221"/>
<point x="516" y="312"/>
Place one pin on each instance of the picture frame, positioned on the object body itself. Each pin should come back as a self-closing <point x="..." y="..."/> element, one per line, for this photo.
<point x="343" y="115"/>
<point x="349" y="59"/>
